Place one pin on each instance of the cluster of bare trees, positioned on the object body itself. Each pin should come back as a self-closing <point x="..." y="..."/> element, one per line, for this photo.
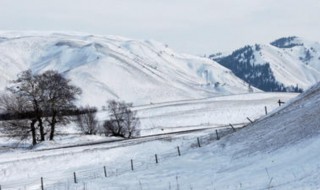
<point x="87" y="121"/>
<point x="122" y="120"/>
<point x="35" y="103"/>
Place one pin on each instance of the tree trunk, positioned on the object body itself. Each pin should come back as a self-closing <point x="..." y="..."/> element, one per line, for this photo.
<point x="40" y="124"/>
<point x="39" y="118"/>
<point x="33" y="132"/>
<point x="52" y="125"/>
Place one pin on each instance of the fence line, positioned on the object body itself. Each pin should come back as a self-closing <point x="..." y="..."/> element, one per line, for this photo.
<point x="78" y="177"/>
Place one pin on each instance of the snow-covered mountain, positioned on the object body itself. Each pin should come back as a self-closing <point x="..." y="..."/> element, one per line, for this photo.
<point x="112" y="67"/>
<point x="287" y="64"/>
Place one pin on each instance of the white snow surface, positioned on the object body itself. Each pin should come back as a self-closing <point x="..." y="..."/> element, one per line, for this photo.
<point x="112" y="67"/>
<point x="278" y="151"/>
<point x="200" y="168"/>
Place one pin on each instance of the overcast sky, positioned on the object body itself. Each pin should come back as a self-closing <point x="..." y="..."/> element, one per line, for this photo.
<point x="191" y="26"/>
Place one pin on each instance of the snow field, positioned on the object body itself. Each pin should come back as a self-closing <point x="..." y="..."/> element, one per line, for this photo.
<point x="279" y="151"/>
<point x="27" y="167"/>
<point x="211" y="112"/>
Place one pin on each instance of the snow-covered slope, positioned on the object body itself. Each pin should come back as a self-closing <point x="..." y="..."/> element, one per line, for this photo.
<point x="23" y="168"/>
<point x="287" y="64"/>
<point x="279" y="151"/>
<point x="116" y="68"/>
<point x="292" y="124"/>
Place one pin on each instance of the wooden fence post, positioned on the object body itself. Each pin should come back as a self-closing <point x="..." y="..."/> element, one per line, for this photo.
<point x="218" y="138"/>
<point x="156" y="157"/>
<point x="280" y="102"/>
<point x="232" y="127"/>
<point x="249" y="120"/>
<point x="75" y="177"/>
<point x="132" y="165"/>
<point x="178" y="148"/>
<point x="266" y="110"/>
<point x="105" y="171"/>
<point x="42" y="187"/>
<point x="198" y="140"/>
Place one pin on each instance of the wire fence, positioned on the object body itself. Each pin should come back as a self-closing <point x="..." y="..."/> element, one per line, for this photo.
<point x="80" y="180"/>
<point x="64" y="181"/>
<point x="86" y="179"/>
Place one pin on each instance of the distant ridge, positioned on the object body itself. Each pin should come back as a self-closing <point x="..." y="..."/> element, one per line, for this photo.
<point x="286" y="64"/>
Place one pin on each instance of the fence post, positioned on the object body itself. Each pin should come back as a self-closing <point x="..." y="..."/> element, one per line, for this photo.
<point x="249" y="120"/>
<point x="42" y="188"/>
<point x="156" y="157"/>
<point x="232" y="127"/>
<point x="75" y="177"/>
<point x="178" y="148"/>
<point x="132" y="165"/>
<point x="218" y="138"/>
<point x="266" y="110"/>
<point x="105" y="171"/>
<point x="198" y="140"/>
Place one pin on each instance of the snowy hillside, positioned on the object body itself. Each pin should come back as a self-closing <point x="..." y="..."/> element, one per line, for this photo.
<point x="111" y="67"/>
<point x="287" y="64"/>
<point x="279" y="151"/>
<point x="23" y="168"/>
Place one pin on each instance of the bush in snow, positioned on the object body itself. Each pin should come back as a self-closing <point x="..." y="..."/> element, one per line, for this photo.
<point x="87" y="121"/>
<point x="123" y="121"/>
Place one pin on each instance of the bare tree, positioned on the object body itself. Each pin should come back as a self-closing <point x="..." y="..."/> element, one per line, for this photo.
<point x="123" y="120"/>
<point x="27" y="87"/>
<point x="58" y="95"/>
<point x="20" y="121"/>
<point x="44" y="96"/>
<point x="87" y="121"/>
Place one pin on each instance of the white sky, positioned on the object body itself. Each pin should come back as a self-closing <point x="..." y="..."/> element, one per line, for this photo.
<point x="192" y="26"/>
